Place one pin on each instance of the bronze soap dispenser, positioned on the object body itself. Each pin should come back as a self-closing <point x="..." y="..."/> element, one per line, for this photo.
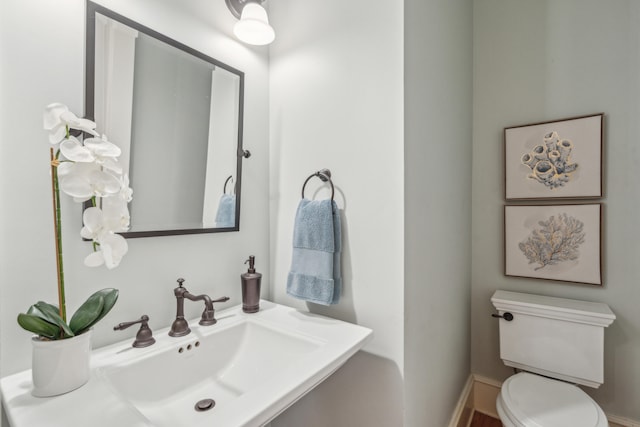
<point x="251" y="287"/>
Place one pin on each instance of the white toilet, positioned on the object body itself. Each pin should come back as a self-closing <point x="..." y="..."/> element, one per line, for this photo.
<point x="556" y="343"/>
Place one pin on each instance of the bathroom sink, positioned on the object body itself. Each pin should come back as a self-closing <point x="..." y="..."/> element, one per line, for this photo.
<point x="242" y="371"/>
<point x="223" y="365"/>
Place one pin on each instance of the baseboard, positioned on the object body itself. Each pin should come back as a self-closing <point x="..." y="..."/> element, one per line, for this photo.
<point x="480" y="394"/>
<point x="616" y="421"/>
<point x="485" y="393"/>
<point x="464" y="408"/>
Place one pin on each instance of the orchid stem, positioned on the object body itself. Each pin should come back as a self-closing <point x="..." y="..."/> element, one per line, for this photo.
<point x="57" y="226"/>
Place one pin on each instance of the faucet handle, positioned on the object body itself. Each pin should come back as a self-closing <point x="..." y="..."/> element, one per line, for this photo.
<point x="144" y="337"/>
<point x="208" y="315"/>
<point x="180" y="281"/>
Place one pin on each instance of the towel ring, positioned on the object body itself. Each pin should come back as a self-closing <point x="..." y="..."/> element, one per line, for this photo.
<point x="324" y="175"/>
<point x="224" y="189"/>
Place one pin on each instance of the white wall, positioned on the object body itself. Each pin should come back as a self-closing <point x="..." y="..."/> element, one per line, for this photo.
<point x="547" y="60"/>
<point x="438" y="79"/>
<point x="336" y="91"/>
<point x="42" y="61"/>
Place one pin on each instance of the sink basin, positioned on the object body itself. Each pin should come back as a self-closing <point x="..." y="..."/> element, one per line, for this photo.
<point x="242" y="371"/>
<point x="221" y="366"/>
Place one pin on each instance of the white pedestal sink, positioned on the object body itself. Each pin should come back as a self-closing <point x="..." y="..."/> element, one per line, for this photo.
<point x="253" y="366"/>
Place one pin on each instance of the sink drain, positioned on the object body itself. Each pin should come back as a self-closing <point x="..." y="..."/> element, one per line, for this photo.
<point x="205" y="405"/>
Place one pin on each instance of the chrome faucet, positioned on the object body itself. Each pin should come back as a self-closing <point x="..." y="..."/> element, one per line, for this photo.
<point x="180" y="326"/>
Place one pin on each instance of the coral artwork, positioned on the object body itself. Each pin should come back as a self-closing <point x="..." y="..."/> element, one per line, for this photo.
<point x="556" y="241"/>
<point x="550" y="161"/>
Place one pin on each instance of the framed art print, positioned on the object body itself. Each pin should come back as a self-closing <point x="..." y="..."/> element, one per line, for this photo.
<point x="555" y="242"/>
<point x="554" y="160"/>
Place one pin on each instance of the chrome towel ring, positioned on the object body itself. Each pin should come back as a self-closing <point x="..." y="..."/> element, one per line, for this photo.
<point x="224" y="189"/>
<point x="324" y="175"/>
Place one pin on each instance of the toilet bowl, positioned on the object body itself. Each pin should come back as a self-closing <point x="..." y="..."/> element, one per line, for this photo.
<point x="529" y="400"/>
<point x="555" y="343"/>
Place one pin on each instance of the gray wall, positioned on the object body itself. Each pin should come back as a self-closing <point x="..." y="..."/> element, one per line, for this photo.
<point x="437" y="152"/>
<point x="546" y="60"/>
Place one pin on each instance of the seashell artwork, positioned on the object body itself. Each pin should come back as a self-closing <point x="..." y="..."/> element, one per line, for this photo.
<point x="557" y="240"/>
<point x="550" y="162"/>
<point x="554" y="242"/>
<point x="559" y="159"/>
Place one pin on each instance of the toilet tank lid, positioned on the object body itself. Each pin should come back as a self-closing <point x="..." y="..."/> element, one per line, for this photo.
<point x="591" y="313"/>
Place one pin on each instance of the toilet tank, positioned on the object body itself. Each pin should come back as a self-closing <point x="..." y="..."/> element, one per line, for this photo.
<point x="556" y="337"/>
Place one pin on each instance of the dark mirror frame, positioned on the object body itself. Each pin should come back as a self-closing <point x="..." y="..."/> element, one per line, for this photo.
<point x="92" y="9"/>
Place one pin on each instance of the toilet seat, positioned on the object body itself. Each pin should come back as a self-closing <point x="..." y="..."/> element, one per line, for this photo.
<point x="528" y="400"/>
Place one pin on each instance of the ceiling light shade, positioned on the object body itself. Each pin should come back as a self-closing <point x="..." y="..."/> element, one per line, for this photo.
<point x="253" y="26"/>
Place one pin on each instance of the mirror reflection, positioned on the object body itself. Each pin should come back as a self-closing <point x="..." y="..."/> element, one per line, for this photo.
<point x="177" y="116"/>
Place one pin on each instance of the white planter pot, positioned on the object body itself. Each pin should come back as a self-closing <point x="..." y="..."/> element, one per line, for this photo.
<point x="60" y="366"/>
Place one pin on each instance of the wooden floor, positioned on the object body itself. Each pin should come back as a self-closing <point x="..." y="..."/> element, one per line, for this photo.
<point x="482" y="420"/>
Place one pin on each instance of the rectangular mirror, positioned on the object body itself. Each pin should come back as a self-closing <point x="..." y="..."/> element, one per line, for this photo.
<point x="177" y="115"/>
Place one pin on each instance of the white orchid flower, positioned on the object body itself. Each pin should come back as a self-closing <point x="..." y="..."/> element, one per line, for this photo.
<point x="52" y="123"/>
<point x="117" y="207"/>
<point x="93" y="224"/>
<point x="95" y="171"/>
<point x="116" y="215"/>
<point x="112" y="246"/>
<point x="101" y="147"/>
<point x="126" y="192"/>
<point x="51" y="115"/>
<point x="57" y="118"/>
<point x="104" y="152"/>
<point x="74" y="122"/>
<point x="94" y="259"/>
<point x="83" y="181"/>
<point x="64" y="168"/>
<point x="72" y="149"/>
<point x="87" y="170"/>
<point x="97" y="150"/>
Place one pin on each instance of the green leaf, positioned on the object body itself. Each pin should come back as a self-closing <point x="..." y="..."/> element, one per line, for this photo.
<point x="37" y="325"/>
<point x="87" y="314"/>
<point x="51" y="314"/>
<point x="110" y="297"/>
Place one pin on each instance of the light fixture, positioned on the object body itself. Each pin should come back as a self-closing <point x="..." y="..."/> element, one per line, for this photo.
<point x="253" y="26"/>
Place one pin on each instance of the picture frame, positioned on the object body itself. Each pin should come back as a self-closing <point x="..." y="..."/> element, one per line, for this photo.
<point x="554" y="242"/>
<point x="560" y="159"/>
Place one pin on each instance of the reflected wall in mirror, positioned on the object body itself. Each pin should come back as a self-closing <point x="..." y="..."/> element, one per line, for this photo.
<point x="177" y="115"/>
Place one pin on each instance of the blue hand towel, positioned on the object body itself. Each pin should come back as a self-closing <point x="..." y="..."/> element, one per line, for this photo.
<point x="226" y="215"/>
<point x="315" y="274"/>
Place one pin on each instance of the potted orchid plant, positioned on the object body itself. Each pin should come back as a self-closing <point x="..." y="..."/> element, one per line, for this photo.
<point x="88" y="171"/>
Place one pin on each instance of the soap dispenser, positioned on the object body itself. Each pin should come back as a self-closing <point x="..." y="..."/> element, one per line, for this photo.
<point x="251" y="287"/>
